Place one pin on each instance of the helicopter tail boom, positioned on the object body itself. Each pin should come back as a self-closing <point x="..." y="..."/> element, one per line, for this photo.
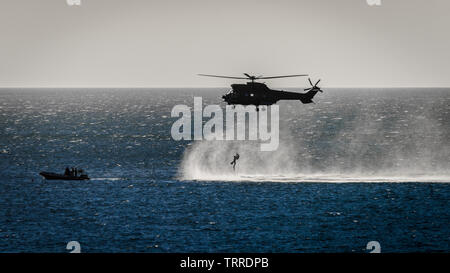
<point x="308" y="96"/>
<point x="312" y="91"/>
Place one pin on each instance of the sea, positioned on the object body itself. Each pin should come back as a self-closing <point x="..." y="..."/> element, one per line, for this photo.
<point x="359" y="165"/>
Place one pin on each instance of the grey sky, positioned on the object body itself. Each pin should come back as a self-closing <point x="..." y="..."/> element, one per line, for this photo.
<point x="133" y="43"/>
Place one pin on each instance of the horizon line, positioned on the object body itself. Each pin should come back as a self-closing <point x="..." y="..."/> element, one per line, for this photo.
<point x="205" y="87"/>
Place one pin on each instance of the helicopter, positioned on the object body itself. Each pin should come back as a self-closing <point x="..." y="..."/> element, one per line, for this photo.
<point x="256" y="93"/>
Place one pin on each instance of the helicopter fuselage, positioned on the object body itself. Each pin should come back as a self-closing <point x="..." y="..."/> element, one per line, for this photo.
<point x="255" y="93"/>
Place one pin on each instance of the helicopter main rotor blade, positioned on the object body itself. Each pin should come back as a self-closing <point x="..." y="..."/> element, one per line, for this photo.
<point x="248" y="75"/>
<point x="318" y="82"/>
<point x="227" y="77"/>
<point x="310" y="82"/>
<point x="287" y="76"/>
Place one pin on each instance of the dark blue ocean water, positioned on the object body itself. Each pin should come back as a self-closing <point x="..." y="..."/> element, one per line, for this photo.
<point x="364" y="165"/>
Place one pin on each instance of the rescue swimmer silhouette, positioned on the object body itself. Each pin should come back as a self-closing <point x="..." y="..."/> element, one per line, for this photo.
<point x="235" y="158"/>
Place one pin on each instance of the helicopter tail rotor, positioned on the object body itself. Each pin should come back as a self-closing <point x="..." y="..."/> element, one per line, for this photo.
<point x="314" y="86"/>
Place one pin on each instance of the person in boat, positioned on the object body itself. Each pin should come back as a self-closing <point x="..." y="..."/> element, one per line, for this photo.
<point x="235" y="158"/>
<point x="67" y="171"/>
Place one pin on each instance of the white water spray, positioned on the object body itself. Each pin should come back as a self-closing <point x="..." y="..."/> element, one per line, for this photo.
<point x="319" y="144"/>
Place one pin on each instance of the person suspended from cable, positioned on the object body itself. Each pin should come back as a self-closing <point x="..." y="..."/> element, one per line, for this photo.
<point x="235" y="158"/>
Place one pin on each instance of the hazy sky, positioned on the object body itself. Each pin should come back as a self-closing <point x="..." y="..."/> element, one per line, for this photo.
<point x="149" y="43"/>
